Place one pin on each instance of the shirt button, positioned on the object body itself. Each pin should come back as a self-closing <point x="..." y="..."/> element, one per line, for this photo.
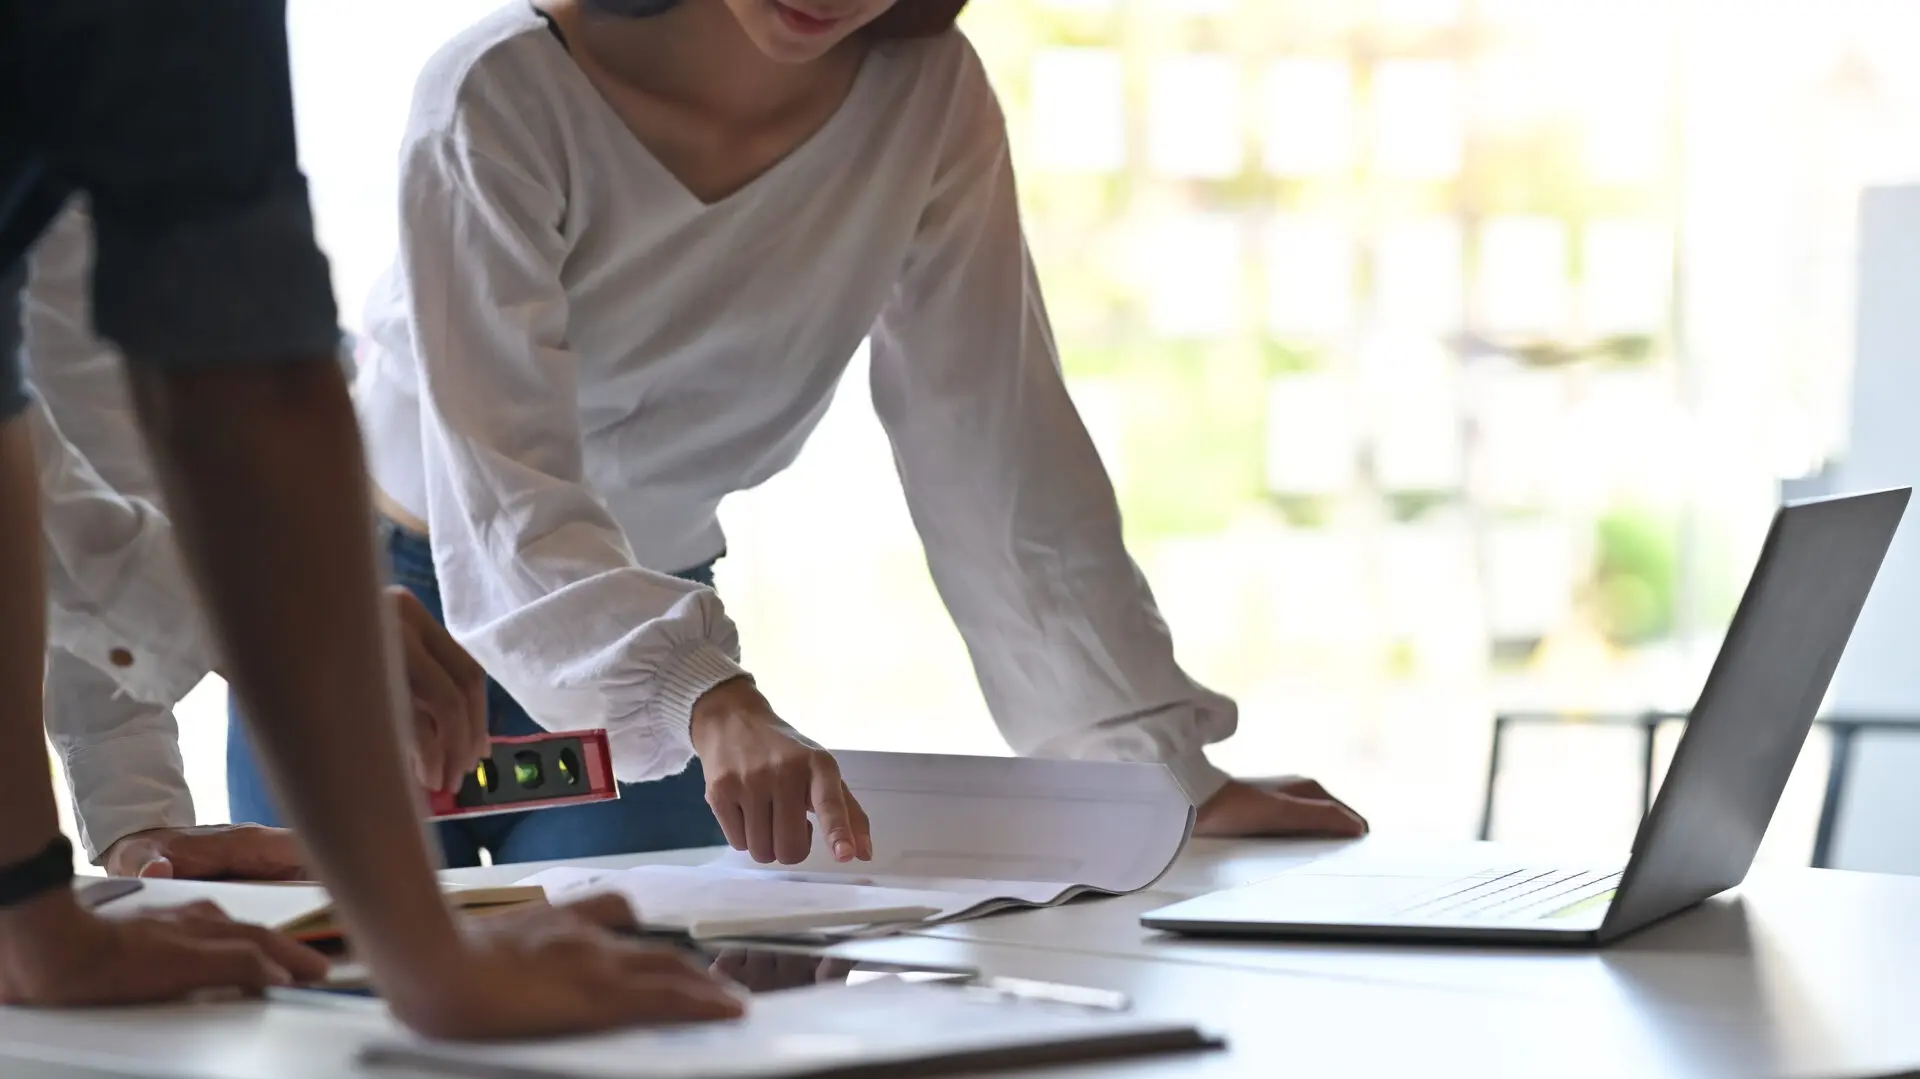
<point x="120" y="657"/>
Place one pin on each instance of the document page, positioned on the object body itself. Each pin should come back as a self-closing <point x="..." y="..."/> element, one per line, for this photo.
<point x="682" y="896"/>
<point x="276" y="906"/>
<point x="303" y="910"/>
<point x="964" y="835"/>
<point x="896" y="1026"/>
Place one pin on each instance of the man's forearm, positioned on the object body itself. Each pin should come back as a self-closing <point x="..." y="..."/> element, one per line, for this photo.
<point x="26" y="800"/>
<point x="265" y="482"/>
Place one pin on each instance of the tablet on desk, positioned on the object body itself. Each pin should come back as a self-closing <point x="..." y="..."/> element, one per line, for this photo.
<point x="756" y="968"/>
<point x="762" y="969"/>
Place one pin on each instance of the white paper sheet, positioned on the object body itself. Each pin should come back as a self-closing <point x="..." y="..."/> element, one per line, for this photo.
<point x="272" y="905"/>
<point x="297" y="908"/>
<point x="683" y="896"/>
<point x="963" y="835"/>
<point x="814" y="1032"/>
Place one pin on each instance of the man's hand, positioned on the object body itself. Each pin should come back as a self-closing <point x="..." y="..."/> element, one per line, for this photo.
<point x="539" y="971"/>
<point x="763" y="778"/>
<point x="54" y="954"/>
<point x="243" y="851"/>
<point x="449" y="692"/>
<point x="449" y="696"/>
<point x="1293" y="808"/>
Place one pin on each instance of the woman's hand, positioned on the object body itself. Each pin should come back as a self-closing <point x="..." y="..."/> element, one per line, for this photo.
<point x="1292" y="808"/>
<point x="208" y="852"/>
<point x="763" y="778"/>
<point x="449" y="692"/>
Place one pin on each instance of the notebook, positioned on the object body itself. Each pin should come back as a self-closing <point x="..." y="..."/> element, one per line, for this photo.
<point x="880" y="1028"/>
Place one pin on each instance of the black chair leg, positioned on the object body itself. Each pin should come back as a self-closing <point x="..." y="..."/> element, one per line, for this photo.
<point x="1842" y="757"/>
<point x="1493" y="776"/>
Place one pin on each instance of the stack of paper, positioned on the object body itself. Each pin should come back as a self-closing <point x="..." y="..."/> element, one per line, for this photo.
<point x="883" y="1027"/>
<point x="707" y="902"/>
<point x="957" y="837"/>
<point x="303" y="911"/>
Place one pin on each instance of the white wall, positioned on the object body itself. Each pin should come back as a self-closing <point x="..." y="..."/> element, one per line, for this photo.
<point x="1878" y="827"/>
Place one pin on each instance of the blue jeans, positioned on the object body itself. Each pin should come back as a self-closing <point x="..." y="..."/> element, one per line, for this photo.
<point x="660" y="815"/>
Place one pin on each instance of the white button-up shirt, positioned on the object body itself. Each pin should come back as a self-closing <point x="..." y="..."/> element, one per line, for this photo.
<point x="126" y="638"/>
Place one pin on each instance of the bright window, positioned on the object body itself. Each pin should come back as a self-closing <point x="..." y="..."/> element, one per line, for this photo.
<point x="1245" y="214"/>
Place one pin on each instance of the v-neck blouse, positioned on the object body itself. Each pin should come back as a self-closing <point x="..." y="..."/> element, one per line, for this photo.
<point x="573" y="361"/>
<point x="854" y="109"/>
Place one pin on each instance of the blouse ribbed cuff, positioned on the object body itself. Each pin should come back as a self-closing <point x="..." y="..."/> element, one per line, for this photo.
<point x="687" y="677"/>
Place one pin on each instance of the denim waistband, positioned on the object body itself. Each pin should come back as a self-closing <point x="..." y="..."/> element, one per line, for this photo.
<point x="410" y="556"/>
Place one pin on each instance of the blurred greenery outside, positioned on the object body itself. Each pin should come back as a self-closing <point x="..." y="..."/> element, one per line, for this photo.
<point x="1361" y="620"/>
<point x="1192" y="412"/>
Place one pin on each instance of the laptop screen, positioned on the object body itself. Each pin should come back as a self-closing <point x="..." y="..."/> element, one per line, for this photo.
<point x="1746" y="731"/>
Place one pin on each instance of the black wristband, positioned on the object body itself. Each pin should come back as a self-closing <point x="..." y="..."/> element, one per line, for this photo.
<point x="51" y="868"/>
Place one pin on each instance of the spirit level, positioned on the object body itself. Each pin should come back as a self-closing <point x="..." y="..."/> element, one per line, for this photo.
<point x="537" y="771"/>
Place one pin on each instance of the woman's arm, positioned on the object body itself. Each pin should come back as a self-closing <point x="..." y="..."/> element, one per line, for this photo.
<point x="1018" y="516"/>
<point x="537" y="578"/>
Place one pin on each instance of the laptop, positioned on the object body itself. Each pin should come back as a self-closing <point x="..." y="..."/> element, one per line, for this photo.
<point x="1700" y="835"/>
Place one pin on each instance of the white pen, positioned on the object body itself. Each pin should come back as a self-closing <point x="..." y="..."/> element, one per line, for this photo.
<point x="764" y="925"/>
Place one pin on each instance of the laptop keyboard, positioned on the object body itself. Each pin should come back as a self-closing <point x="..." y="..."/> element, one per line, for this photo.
<point x="1513" y="895"/>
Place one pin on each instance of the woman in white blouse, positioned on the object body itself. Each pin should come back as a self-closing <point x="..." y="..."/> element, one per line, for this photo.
<point x="640" y="242"/>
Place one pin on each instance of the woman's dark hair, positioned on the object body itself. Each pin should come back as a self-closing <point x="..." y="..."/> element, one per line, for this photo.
<point x="906" y="18"/>
<point x="916" y="18"/>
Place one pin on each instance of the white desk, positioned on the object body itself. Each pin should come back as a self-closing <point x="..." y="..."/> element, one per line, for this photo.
<point x="1804" y="974"/>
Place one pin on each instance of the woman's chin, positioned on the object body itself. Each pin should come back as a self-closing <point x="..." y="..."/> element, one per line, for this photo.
<point x="783" y="48"/>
